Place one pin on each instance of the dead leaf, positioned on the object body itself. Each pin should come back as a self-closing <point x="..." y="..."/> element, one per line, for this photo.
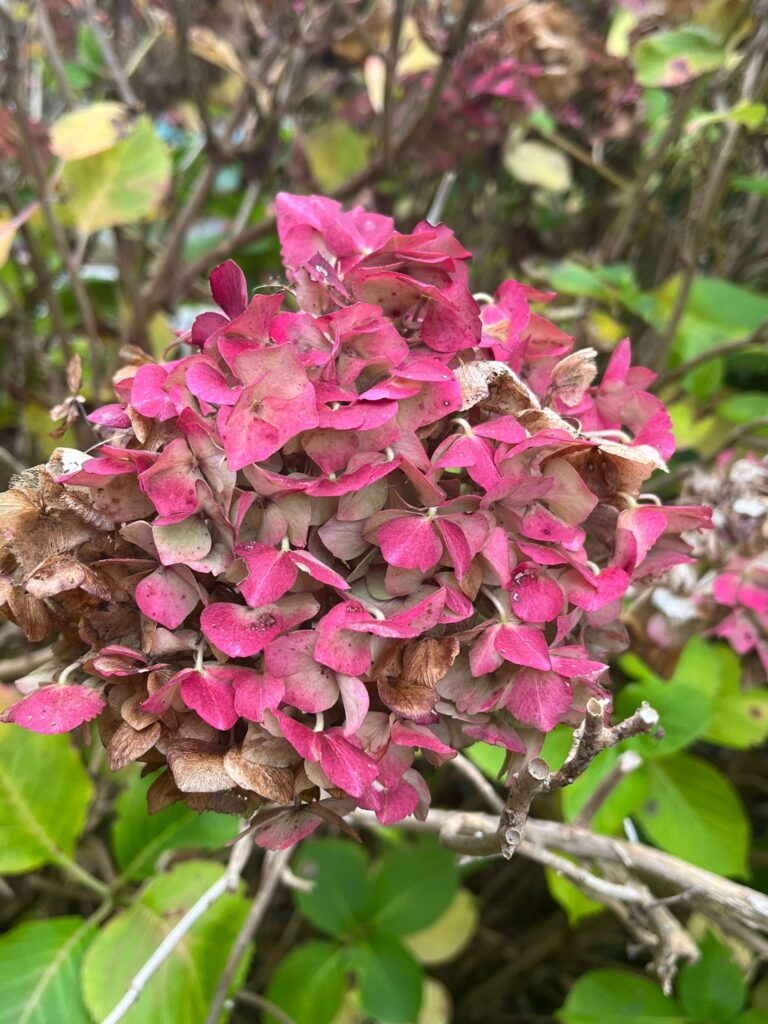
<point x="163" y="793"/>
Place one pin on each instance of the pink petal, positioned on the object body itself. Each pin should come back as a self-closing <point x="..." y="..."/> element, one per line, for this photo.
<point x="523" y="645"/>
<point x="228" y="288"/>
<point x="54" y="709"/>
<point x="410" y="542"/>
<point x="271" y="574"/>
<point x="211" y="695"/>
<point x="318" y="570"/>
<point x="167" y="596"/>
<point x="242" y="632"/>
<point x="539" y="699"/>
<point x="309" y="686"/>
<point x="356" y="700"/>
<point x="532" y="597"/>
<point x="409" y="734"/>
<point x="340" y="648"/>
<point x="255" y="692"/>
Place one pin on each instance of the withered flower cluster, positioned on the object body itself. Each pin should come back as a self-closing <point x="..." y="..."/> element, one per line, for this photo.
<point x="385" y="519"/>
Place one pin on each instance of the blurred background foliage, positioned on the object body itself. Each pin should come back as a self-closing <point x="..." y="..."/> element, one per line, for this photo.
<point x="612" y="152"/>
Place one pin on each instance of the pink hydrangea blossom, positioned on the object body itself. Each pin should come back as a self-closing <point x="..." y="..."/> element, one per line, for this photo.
<point x="370" y="518"/>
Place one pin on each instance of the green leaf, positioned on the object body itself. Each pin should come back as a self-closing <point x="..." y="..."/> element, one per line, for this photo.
<point x="620" y="803"/>
<point x="751" y="115"/>
<point x="335" y="152"/>
<point x="339" y="870"/>
<point x="684" y="714"/>
<point x="412" y="887"/>
<point x="44" y="797"/>
<point x="695" y="813"/>
<point x="389" y="979"/>
<point x="757" y="184"/>
<point x="571" y="278"/>
<point x="713" y="988"/>
<point x="672" y="57"/>
<point x="445" y="938"/>
<point x="740" y="718"/>
<point x="309" y="984"/>
<point x="743" y="408"/>
<point x="180" y="991"/>
<point x="122" y="185"/>
<point x="139" y="838"/>
<point x="707" y="666"/>
<point x="40" y="965"/>
<point x="489" y="759"/>
<point x="606" y="997"/>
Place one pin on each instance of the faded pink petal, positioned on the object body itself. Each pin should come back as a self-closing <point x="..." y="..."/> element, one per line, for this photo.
<point x="168" y="595"/>
<point x="242" y="632"/>
<point x="539" y="699"/>
<point x="255" y="692"/>
<point x="523" y="645"/>
<point x="410" y="542"/>
<point x="209" y="692"/>
<point x="54" y="709"/>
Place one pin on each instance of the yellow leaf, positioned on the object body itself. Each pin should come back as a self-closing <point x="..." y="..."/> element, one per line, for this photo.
<point x="448" y="935"/>
<point x="8" y="229"/>
<point x="416" y="55"/>
<point x="90" y="130"/>
<point x="536" y="163"/>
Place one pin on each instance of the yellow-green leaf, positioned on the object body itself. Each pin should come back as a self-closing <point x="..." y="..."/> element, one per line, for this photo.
<point x="122" y="185"/>
<point x="90" y="130"/>
<point x="536" y="163"/>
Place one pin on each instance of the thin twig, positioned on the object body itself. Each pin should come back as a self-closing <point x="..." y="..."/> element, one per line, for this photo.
<point x="393" y="55"/>
<point x="52" y="53"/>
<point x="479" y="781"/>
<point x="728" y="348"/>
<point x="123" y="86"/>
<point x="261" y="1003"/>
<point x="223" y="884"/>
<point x="627" y="762"/>
<point x="271" y="873"/>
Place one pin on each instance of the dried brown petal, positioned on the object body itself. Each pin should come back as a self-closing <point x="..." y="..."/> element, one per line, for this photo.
<point x="273" y="783"/>
<point x="196" y="768"/>
<point x="163" y="793"/>
<point x="494" y="387"/>
<point x="132" y="713"/>
<point x="60" y="573"/>
<point x="129" y="744"/>
<point x="572" y="375"/>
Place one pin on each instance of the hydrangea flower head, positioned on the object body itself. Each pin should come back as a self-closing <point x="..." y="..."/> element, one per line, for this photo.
<point x="344" y="525"/>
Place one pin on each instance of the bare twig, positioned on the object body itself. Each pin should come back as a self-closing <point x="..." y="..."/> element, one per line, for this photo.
<point x="12" y="669"/>
<point x="441" y="197"/>
<point x="238" y="857"/>
<point x="728" y="348"/>
<point x="52" y="52"/>
<point x="271" y="873"/>
<point x="627" y="762"/>
<point x="393" y="55"/>
<point x="123" y="86"/>
<point x="261" y="1003"/>
<point x="704" y="201"/>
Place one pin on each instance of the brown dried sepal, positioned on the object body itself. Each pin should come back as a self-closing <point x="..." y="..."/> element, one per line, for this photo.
<point x="196" y="767"/>
<point x="266" y="780"/>
<point x="128" y="744"/>
<point x="424" y="663"/>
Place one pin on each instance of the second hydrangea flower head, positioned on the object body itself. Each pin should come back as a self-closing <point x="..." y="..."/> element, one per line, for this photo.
<point x="362" y="518"/>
